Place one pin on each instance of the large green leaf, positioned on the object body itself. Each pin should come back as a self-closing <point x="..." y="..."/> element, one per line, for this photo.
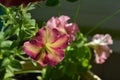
<point x="15" y="64"/>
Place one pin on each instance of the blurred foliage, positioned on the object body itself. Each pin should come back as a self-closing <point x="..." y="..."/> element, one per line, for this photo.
<point x="17" y="28"/>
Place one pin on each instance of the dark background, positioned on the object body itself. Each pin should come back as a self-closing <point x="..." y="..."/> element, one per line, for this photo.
<point x="92" y="13"/>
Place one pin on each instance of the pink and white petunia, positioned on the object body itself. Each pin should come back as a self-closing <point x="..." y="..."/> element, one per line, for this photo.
<point x="47" y="47"/>
<point x="100" y="44"/>
<point x="102" y="53"/>
<point x="61" y="24"/>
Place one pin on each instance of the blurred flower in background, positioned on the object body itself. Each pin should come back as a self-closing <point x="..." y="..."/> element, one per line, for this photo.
<point x="9" y="3"/>
<point x="61" y="24"/>
<point x="100" y="44"/>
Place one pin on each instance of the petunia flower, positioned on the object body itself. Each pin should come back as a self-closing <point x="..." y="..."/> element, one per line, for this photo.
<point x="100" y="44"/>
<point x="61" y="24"/>
<point x="102" y="53"/>
<point x="9" y="3"/>
<point x="47" y="47"/>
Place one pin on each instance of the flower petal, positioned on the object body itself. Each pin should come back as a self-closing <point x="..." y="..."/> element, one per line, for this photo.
<point x="102" y="53"/>
<point x="63" y="19"/>
<point x="42" y="59"/>
<point x="56" y="21"/>
<point x="108" y="39"/>
<point x="55" y="56"/>
<point x="61" y="42"/>
<point x="102" y="39"/>
<point x="71" y="28"/>
<point x="31" y="49"/>
<point x="41" y="35"/>
<point x="59" y="52"/>
<point x="52" y="35"/>
<point x="53" y="22"/>
<point x="51" y="57"/>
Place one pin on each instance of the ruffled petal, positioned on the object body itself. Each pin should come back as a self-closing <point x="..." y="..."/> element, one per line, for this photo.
<point x="31" y="49"/>
<point x="52" y="35"/>
<point x="71" y="28"/>
<point x="53" y="22"/>
<point x="108" y="39"/>
<point x="41" y="35"/>
<point x="102" y="53"/>
<point x="101" y="39"/>
<point x="63" y="19"/>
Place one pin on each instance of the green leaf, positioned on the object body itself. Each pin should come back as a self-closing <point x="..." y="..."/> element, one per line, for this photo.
<point x="9" y="74"/>
<point x="9" y="78"/>
<point x="1" y="35"/>
<point x="5" y="62"/>
<point x="14" y="44"/>
<point x="6" y="44"/>
<point x="2" y="73"/>
<point x="85" y="63"/>
<point x="22" y="34"/>
<point x="15" y="64"/>
<point x="52" y="2"/>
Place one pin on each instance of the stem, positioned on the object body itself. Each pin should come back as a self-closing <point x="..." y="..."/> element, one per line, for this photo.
<point x="23" y="58"/>
<point x="103" y="21"/>
<point x="28" y="71"/>
<point x="77" y="12"/>
<point x="59" y="9"/>
<point x="90" y="54"/>
<point x="89" y="76"/>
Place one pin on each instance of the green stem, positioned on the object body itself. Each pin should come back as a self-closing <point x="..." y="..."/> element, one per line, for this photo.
<point x="59" y="9"/>
<point x="103" y="21"/>
<point x="23" y="58"/>
<point x="90" y="54"/>
<point x="28" y="71"/>
<point x="77" y="12"/>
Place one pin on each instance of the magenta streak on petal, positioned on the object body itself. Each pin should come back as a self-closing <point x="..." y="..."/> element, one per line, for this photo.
<point x="30" y="53"/>
<point x="52" y="60"/>
<point x="59" y="52"/>
<point x="42" y="59"/>
<point x="61" y="42"/>
<point x="31" y="50"/>
<point x="36" y="43"/>
<point x="41" y="35"/>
